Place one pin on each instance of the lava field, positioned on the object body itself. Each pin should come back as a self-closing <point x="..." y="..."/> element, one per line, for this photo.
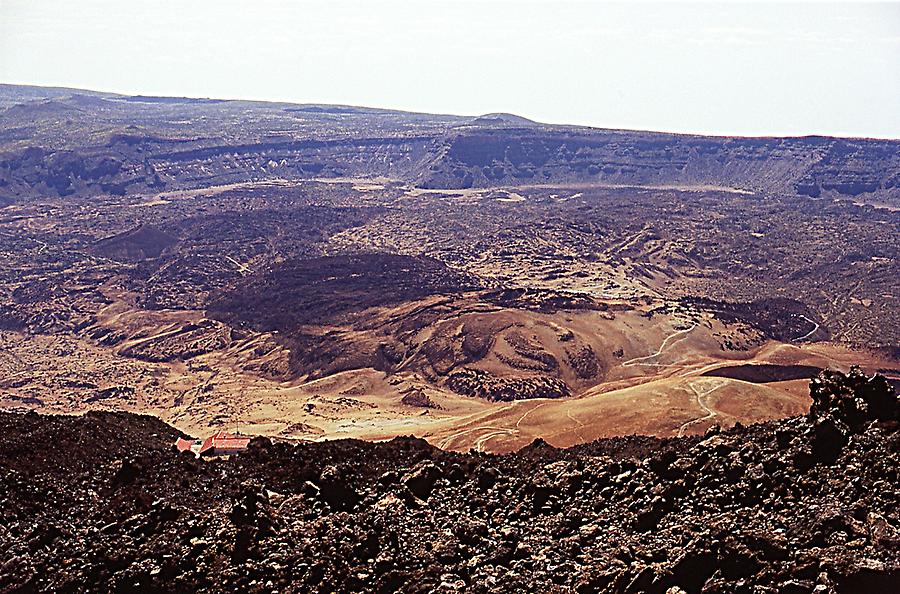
<point x="104" y="503"/>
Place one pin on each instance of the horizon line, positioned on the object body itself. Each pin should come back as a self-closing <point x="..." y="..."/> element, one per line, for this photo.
<point x="458" y="115"/>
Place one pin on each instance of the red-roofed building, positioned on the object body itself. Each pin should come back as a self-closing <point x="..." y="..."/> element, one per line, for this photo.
<point x="184" y="445"/>
<point x="222" y="443"/>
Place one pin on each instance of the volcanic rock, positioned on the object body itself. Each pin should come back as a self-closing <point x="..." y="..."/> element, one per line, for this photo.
<point x="102" y="502"/>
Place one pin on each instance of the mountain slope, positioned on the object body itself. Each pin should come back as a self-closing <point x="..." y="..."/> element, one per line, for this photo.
<point x="808" y="504"/>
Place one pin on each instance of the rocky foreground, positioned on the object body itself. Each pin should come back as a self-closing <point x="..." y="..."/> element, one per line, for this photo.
<point x="104" y="503"/>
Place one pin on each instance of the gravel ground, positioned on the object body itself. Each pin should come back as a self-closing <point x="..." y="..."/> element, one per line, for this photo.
<point x="103" y="503"/>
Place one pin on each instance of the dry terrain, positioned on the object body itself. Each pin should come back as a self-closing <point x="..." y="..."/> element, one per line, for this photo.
<point x="316" y="272"/>
<point x="103" y="502"/>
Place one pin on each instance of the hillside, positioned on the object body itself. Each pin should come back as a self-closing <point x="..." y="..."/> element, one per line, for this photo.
<point x="103" y="503"/>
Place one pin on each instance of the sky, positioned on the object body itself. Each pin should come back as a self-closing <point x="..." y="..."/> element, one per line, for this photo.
<point x="715" y="68"/>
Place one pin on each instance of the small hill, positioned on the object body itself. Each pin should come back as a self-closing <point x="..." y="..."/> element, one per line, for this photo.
<point x="142" y="243"/>
<point x="502" y="119"/>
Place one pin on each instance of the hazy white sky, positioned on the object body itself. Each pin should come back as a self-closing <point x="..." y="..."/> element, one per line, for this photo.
<point x="716" y="68"/>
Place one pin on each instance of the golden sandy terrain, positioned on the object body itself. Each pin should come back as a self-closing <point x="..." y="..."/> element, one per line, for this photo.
<point x="652" y="381"/>
<point x="248" y="306"/>
<point x="317" y="272"/>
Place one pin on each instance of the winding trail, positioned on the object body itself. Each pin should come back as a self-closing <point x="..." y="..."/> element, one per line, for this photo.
<point x="659" y="351"/>
<point x="528" y="412"/>
<point x="493" y="431"/>
<point x="705" y="368"/>
<point x="710" y="413"/>
<point x="578" y="422"/>
<point x="479" y="443"/>
<point x="448" y="440"/>
<point x="811" y="332"/>
<point x="242" y="268"/>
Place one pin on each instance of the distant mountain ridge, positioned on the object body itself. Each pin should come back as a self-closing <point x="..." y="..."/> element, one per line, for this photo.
<point x="59" y="142"/>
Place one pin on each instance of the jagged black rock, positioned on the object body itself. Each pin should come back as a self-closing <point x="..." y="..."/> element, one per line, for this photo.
<point x="103" y="503"/>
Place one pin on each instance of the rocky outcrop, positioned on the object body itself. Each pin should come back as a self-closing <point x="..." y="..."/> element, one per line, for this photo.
<point x="417" y="397"/>
<point x="476" y="382"/>
<point x="810" y="504"/>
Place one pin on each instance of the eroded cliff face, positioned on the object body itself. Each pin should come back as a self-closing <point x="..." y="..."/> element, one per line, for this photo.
<point x="139" y="165"/>
<point x="535" y="155"/>
<point x="83" y="143"/>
